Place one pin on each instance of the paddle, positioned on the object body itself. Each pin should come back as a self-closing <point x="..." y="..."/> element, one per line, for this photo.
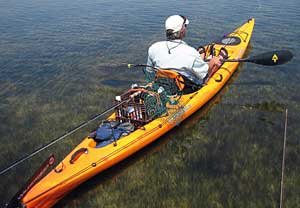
<point x="270" y="58"/>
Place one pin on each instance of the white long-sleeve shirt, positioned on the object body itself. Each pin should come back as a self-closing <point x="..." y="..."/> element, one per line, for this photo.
<point x="177" y="54"/>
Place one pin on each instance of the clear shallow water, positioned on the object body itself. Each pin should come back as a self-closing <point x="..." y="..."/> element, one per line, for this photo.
<point x="57" y="60"/>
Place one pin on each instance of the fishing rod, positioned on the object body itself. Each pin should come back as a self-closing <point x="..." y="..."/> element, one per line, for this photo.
<point x="68" y="133"/>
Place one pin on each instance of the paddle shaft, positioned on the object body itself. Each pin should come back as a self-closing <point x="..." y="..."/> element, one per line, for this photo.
<point x="237" y="60"/>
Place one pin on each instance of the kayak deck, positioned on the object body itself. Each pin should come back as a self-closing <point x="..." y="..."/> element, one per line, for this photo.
<point x="66" y="176"/>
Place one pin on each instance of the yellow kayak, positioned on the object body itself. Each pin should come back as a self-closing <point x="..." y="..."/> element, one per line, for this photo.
<point x="88" y="159"/>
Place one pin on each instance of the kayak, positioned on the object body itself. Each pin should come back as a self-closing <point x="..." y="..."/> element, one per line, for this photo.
<point x="88" y="159"/>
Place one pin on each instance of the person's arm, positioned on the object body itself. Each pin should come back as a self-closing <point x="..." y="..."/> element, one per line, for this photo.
<point x="213" y="62"/>
<point x="213" y="65"/>
<point x="149" y="72"/>
<point x="150" y="61"/>
<point x="200" y="67"/>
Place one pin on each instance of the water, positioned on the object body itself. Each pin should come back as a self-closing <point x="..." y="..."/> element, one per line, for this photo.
<point x="59" y="62"/>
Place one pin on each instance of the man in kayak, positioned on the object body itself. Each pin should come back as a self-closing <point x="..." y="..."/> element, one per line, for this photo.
<point x="174" y="53"/>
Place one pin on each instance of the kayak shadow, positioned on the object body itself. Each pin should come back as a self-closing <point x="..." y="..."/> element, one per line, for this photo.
<point x="115" y="171"/>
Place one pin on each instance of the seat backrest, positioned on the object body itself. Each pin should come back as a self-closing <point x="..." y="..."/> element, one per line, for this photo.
<point x="185" y="80"/>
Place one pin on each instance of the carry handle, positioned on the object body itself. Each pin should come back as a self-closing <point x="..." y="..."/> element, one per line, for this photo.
<point x="77" y="154"/>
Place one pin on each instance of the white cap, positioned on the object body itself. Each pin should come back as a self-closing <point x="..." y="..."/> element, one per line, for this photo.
<point x="175" y="22"/>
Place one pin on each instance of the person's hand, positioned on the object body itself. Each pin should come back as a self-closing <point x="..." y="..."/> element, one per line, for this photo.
<point x="215" y="61"/>
<point x="202" y="52"/>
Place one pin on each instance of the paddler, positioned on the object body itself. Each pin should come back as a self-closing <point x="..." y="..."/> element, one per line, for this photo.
<point x="174" y="53"/>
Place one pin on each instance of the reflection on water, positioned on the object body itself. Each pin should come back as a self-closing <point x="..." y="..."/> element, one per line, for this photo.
<point x="61" y="62"/>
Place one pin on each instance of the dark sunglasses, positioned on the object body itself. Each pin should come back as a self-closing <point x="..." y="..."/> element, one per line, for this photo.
<point x="184" y="20"/>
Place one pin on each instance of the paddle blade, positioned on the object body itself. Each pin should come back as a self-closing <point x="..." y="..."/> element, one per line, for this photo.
<point x="272" y="58"/>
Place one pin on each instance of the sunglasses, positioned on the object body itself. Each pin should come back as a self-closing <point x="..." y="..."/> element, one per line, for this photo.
<point x="184" y="20"/>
